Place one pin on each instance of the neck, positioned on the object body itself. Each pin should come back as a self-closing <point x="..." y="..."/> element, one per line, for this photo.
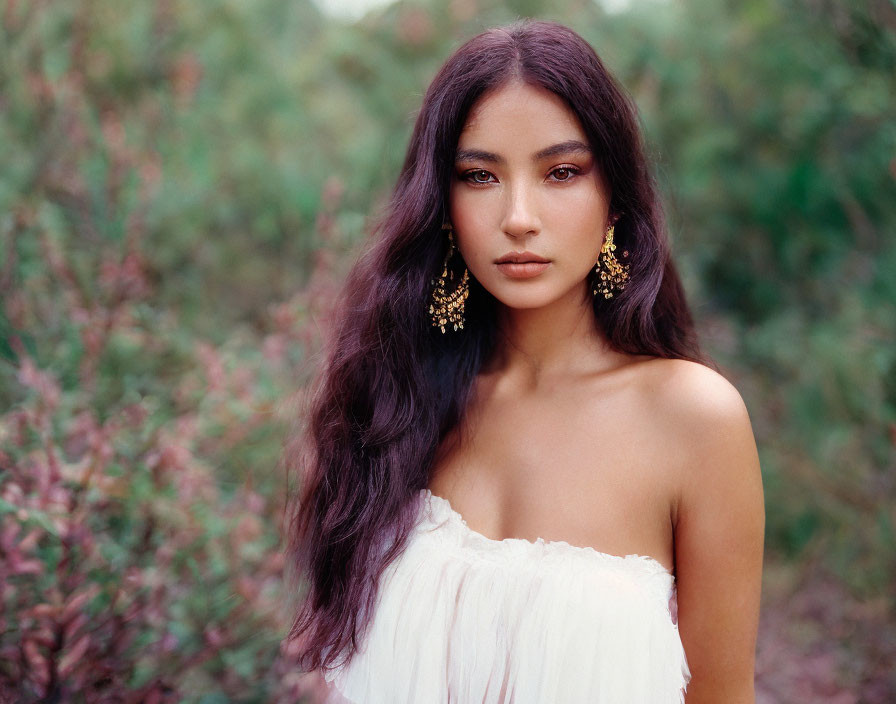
<point x="559" y="340"/>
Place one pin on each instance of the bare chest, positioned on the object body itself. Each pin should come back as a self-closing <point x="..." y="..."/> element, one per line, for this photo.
<point x="561" y="467"/>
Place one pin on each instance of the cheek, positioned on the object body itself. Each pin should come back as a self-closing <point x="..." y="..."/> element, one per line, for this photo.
<point x="466" y="210"/>
<point x="584" y="207"/>
<point x="582" y="220"/>
<point x="471" y="224"/>
<point x="473" y="249"/>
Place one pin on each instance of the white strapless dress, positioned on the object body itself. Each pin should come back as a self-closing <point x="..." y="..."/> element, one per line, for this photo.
<point x="465" y="619"/>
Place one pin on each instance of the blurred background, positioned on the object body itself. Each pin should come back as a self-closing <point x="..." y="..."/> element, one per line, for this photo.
<point x="182" y="188"/>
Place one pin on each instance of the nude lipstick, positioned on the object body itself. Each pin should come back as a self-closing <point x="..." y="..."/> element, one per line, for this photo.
<point x="522" y="265"/>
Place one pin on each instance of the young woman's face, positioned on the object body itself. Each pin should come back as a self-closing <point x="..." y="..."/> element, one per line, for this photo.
<point x="526" y="185"/>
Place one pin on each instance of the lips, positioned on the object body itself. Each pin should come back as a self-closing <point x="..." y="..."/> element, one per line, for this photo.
<point x="525" y="268"/>
<point x="521" y="258"/>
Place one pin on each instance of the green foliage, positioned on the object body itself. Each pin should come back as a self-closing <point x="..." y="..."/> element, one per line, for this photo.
<point x="182" y="186"/>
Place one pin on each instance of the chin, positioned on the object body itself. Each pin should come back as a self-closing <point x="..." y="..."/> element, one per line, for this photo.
<point x="531" y="296"/>
<point x="524" y="301"/>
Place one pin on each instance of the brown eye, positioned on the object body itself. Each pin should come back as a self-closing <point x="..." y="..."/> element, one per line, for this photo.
<point x="479" y="176"/>
<point x="564" y="173"/>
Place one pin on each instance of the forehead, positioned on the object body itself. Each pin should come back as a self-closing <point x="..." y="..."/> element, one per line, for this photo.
<point x="519" y="114"/>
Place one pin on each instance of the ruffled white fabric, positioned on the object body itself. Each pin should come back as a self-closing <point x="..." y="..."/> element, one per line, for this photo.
<point x="465" y="619"/>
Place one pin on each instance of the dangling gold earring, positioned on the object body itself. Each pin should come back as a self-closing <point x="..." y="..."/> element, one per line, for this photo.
<point x="448" y="308"/>
<point x="610" y="274"/>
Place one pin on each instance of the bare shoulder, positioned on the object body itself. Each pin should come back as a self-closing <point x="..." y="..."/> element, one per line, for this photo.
<point x="691" y="394"/>
<point x="702" y="422"/>
<point x="718" y="521"/>
<point x="693" y="408"/>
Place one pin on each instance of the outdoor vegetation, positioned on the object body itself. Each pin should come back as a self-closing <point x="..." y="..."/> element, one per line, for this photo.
<point x="183" y="186"/>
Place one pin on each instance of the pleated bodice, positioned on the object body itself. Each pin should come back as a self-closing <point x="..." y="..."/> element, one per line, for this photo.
<point x="466" y="619"/>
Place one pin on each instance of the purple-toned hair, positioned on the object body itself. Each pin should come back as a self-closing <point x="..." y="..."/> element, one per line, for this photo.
<point x="393" y="385"/>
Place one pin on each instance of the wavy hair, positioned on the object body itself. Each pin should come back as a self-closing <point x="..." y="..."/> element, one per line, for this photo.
<point x="392" y="386"/>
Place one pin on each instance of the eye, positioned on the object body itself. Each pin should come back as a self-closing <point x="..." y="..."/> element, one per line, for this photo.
<point x="477" y="176"/>
<point x="564" y="173"/>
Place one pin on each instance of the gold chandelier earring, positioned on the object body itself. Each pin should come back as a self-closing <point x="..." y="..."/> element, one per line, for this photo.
<point x="447" y="307"/>
<point x="611" y="276"/>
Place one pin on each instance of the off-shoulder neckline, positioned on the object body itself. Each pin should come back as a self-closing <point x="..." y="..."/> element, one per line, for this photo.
<point x="646" y="560"/>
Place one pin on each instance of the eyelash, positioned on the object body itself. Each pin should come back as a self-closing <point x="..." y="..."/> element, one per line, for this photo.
<point x="573" y="170"/>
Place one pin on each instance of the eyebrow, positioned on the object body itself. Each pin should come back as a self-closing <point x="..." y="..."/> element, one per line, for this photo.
<point x="570" y="146"/>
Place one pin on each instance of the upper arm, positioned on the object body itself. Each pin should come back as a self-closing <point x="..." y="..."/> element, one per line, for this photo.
<point x="718" y="533"/>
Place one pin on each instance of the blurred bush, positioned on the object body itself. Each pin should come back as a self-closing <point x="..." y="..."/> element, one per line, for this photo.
<point x="182" y="186"/>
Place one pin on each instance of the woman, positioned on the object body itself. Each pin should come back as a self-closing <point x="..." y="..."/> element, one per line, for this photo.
<point x="521" y="466"/>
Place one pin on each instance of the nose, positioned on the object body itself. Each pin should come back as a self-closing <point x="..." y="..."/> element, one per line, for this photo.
<point x="520" y="217"/>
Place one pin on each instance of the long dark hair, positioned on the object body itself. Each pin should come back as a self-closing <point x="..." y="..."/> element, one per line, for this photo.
<point x="393" y="385"/>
